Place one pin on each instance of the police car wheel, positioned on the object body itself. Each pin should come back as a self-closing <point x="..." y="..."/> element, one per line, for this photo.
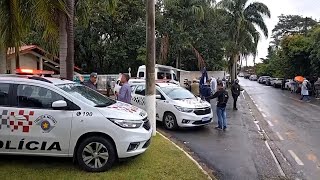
<point x="96" y="154"/>
<point x="170" y="121"/>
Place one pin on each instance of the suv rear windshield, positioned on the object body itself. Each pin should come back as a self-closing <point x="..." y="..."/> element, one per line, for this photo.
<point x="87" y="95"/>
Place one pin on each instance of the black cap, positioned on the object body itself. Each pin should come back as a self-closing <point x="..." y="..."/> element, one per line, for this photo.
<point x="94" y="74"/>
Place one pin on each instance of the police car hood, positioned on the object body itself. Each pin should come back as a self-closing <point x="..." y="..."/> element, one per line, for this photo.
<point x="192" y="103"/>
<point x="122" y="110"/>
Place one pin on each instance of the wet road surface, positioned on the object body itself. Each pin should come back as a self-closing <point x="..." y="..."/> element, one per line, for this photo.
<point x="273" y="135"/>
<point x="295" y="124"/>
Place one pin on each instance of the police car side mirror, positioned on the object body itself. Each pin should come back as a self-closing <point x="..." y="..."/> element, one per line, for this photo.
<point x="61" y="104"/>
<point x="158" y="97"/>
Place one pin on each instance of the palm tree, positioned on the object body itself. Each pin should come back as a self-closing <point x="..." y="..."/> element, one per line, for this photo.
<point x="16" y="18"/>
<point x="181" y="10"/>
<point x="66" y="31"/>
<point x="243" y="18"/>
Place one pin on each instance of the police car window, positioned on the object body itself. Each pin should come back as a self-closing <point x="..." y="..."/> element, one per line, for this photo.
<point x="87" y="95"/>
<point x="175" y="77"/>
<point x="140" y="90"/>
<point x="4" y="94"/>
<point x="168" y="75"/>
<point x="133" y="88"/>
<point x="36" y="97"/>
<point x="141" y="74"/>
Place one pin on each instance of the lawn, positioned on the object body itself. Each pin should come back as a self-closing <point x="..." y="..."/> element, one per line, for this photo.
<point x="161" y="161"/>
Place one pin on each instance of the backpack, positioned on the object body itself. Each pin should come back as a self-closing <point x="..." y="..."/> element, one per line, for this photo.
<point x="308" y="85"/>
<point x="223" y="99"/>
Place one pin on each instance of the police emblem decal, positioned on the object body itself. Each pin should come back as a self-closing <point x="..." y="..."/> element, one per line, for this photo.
<point x="46" y="122"/>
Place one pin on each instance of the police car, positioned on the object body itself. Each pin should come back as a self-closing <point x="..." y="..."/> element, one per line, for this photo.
<point x="175" y="106"/>
<point x="46" y="116"/>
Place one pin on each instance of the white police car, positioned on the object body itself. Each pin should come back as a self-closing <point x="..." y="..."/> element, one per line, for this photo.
<point x="175" y="106"/>
<point x="54" y="117"/>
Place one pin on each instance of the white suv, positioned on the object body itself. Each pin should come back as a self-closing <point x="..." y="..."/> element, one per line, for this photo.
<point x="175" y="106"/>
<point x="54" y="117"/>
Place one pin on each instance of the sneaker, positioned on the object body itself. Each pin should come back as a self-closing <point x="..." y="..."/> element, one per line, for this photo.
<point x="218" y="127"/>
<point x="225" y="128"/>
<point x="236" y="109"/>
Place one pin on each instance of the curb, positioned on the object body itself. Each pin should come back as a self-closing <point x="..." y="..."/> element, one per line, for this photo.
<point x="188" y="155"/>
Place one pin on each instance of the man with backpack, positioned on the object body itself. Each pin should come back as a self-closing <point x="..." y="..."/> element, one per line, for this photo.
<point x="305" y="90"/>
<point x="223" y="98"/>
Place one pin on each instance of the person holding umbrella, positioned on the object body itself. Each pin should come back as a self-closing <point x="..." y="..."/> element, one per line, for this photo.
<point x="305" y="90"/>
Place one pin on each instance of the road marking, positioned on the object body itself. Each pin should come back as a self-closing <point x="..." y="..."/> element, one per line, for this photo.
<point x="279" y="136"/>
<point x="243" y="95"/>
<point x="270" y="123"/>
<point x="296" y="158"/>
<point x="275" y="160"/>
<point x="259" y="129"/>
<point x="264" y="115"/>
<point x="260" y="109"/>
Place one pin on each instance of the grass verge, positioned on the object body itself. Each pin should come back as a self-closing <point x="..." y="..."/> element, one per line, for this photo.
<point x="161" y="161"/>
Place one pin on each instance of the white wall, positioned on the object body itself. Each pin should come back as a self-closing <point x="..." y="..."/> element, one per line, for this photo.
<point x="28" y="61"/>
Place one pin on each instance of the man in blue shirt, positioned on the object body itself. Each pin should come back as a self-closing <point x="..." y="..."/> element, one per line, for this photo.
<point x="124" y="94"/>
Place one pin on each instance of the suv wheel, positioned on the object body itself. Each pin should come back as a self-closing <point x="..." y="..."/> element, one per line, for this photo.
<point x="170" y="121"/>
<point x="96" y="154"/>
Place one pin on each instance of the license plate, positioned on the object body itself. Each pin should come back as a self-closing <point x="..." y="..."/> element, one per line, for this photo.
<point x="206" y="119"/>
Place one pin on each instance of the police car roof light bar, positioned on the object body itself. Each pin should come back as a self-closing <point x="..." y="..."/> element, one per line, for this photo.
<point x="33" y="72"/>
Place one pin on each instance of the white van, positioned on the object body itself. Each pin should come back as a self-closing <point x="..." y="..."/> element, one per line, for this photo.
<point x="161" y="72"/>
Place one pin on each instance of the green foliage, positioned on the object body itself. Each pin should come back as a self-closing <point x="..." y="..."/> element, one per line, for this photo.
<point x="297" y="53"/>
<point x="195" y="33"/>
<point x="243" y="19"/>
<point x="290" y="25"/>
<point x="112" y="42"/>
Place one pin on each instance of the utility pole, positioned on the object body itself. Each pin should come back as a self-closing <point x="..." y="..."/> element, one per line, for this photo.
<point x="150" y="65"/>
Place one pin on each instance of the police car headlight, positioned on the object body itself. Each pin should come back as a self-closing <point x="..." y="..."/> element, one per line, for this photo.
<point x="127" y="123"/>
<point x="183" y="109"/>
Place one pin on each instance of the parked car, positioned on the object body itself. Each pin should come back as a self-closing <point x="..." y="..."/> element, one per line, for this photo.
<point x="263" y="79"/>
<point x="269" y="80"/>
<point x="176" y="106"/>
<point x="289" y="84"/>
<point x="253" y="78"/>
<point x="247" y="76"/>
<point x="277" y="82"/>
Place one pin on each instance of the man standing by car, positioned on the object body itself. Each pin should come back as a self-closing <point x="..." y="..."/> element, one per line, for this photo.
<point x="124" y="94"/>
<point x="223" y="97"/>
<point x="235" y="89"/>
<point x="92" y="82"/>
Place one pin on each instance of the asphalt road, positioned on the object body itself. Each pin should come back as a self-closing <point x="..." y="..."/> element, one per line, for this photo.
<point x="272" y="136"/>
<point x="295" y="124"/>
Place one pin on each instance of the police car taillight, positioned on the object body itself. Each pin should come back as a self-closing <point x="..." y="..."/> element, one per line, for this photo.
<point x="33" y="72"/>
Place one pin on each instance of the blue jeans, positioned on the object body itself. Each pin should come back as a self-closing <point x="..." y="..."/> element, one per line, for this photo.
<point x="305" y="96"/>
<point x="222" y="117"/>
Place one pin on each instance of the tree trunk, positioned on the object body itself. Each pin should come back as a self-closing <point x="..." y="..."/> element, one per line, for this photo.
<point x="63" y="44"/>
<point x="70" y="37"/>
<point x="150" y="65"/>
<point x="3" y="61"/>
<point x="234" y="67"/>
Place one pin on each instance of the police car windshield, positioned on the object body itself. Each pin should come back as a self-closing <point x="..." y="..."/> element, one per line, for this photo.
<point x="87" y="95"/>
<point x="177" y="93"/>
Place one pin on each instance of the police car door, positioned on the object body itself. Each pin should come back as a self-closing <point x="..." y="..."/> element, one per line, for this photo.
<point x="138" y="98"/>
<point x="37" y="128"/>
<point x="5" y="104"/>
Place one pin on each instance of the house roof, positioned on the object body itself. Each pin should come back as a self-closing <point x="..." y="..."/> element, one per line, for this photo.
<point x="28" y="48"/>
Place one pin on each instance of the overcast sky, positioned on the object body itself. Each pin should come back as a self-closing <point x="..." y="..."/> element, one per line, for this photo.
<point x="308" y="8"/>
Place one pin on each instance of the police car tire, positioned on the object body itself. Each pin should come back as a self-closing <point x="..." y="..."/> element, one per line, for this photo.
<point x="96" y="139"/>
<point x="175" y="125"/>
